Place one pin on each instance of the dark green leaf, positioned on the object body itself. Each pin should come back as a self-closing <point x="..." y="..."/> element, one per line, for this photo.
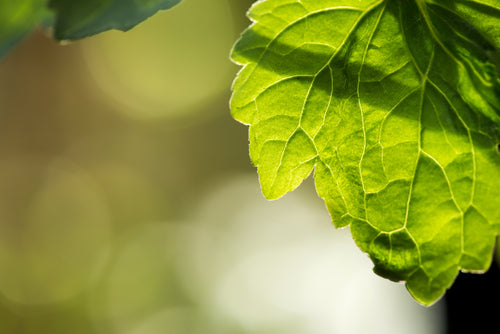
<point x="82" y="18"/>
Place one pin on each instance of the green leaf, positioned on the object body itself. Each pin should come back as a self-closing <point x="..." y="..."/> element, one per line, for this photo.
<point x="72" y="19"/>
<point x="17" y="19"/>
<point x="82" y="18"/>
<point x="395" y="105"/>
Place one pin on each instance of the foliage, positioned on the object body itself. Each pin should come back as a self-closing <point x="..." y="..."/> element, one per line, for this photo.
<point x="17" y="18"/>
<point x="72" y="19"/>
<point x="396" y="107"/>
<point x="88" y="17"/>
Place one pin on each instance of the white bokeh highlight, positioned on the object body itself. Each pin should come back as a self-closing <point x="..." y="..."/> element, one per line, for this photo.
<point x="281" y="265"/>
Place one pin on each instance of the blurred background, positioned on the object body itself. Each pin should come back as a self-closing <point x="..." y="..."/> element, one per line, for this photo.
<point x="128" y="203"/>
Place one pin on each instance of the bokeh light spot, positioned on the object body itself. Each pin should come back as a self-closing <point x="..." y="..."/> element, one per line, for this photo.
<point x="169" y="65"/>
<point x="56" y="225"/>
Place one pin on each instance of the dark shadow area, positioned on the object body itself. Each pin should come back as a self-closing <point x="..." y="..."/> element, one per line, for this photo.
<point x="472" y="303"/>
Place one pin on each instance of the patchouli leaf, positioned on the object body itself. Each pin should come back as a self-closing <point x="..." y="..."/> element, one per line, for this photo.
<point x="82" y="18"/>
<point x="395" y="105"/>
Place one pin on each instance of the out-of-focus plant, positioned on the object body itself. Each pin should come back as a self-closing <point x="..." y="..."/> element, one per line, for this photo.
<point x="70" y="19"/>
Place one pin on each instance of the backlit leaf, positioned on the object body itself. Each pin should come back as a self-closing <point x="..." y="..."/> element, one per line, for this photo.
<point x="395" y="105"/>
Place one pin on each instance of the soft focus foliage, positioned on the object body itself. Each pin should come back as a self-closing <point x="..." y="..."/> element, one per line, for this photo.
<point x="72" y="19"/>
<point x="83" y="18"/>
<point x="17" y="18"/>
<point x="396" y="108"/>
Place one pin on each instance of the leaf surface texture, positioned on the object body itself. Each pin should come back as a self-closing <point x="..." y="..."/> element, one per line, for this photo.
<point x="395" y="105"/>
